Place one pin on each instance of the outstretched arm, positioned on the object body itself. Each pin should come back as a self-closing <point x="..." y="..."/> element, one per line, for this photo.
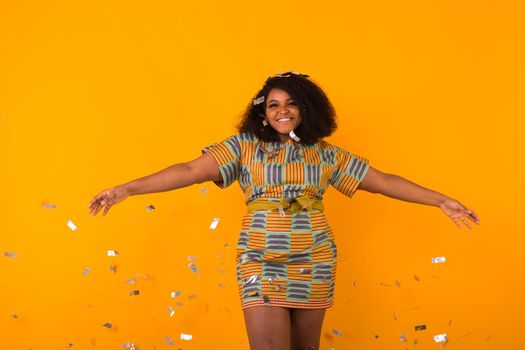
<point x="202" y="169"/>
<point x="397" y="187"/>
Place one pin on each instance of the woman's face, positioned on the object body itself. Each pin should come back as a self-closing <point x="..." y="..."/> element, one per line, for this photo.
<point x="282" y="112"/>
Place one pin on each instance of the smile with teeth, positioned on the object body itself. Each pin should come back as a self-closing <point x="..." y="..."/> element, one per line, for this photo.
<point x="282" y="120"/>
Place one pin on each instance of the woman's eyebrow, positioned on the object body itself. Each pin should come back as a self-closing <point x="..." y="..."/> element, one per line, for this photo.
<point x="278" y="101"/>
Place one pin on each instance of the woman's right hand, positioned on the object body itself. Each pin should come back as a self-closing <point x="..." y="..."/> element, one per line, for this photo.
<point x="107" y="198"/>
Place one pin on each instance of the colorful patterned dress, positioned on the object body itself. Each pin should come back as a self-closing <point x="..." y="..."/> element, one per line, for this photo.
<point x="286" y="261"/>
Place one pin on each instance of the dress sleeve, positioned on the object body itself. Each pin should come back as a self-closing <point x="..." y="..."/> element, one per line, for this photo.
<point x="227" y="154"/>
<point x="349" y="172"/>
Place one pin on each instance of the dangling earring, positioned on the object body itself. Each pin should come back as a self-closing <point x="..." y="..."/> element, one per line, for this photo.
<point x="265" y="120"/>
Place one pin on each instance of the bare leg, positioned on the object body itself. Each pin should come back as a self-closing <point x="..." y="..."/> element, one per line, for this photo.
<point x="306" y="328"/>
<point x="268" y="327"/>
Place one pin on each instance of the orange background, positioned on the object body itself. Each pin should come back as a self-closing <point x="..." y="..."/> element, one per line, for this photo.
<point x="96" y="94"/>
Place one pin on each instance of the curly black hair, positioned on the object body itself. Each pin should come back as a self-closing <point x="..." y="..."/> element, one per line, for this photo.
<point x="317" y="112"/>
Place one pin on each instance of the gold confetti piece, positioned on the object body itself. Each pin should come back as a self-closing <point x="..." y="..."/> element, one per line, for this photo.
<point x="440" y="338"/>
<point x="191" y="297"/>
<point x="69" y="345"/>
<point x="71" y="225"/>
<point x="107" y="325"/>
<point x="131" y="281"/>
<point x="179" y="304"/>
<point x="184" y="336"/>
<point x="86" y="271"/>
<point x="421" y="327"/>
<point x="10" y="255"/>
<point x="395" y="316"/>
<point x="169" y="341"/>
<point x="305" y="271"/>
<point x="171" y="311"/>
<point x="204" y="190"/>
<point x="214" y="223"/>
<point x="141" y="275"/>
<point x="415" y="341"/>
<point x="226" y="245"/>
<point x="150" y="208"/>
<point x="355" y="282"/>
<point x="337" y="332"/>
<point x="49" y="206"/>
<point x="438" y="260"/>
<point x="15" y="316"/>
<point x="376" y="336"/>
<point x="221" y="285"/>
<point x="398" y="284"/>
<point x="112" y="252"/>
<point x="384" y="284"/>
<point x="93" y="341"/>
<point x="176" y="293"/>
<point x="193" y="267"/>
<point x="488" y="338"/>
<point x="449" y="322"/>
<point x="134" y="292"/>
<point x="416" y="277"/>
<point x="192" y="258"/>
<point x="403" y="338"/>
<point x="113" y="268"/>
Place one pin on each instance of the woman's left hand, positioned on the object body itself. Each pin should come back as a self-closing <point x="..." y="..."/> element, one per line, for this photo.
<point x="458" y="212"/>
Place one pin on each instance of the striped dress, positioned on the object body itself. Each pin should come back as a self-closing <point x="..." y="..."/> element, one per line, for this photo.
<point x="286" y="261"/>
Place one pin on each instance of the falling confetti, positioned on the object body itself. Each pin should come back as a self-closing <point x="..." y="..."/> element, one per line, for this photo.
<point x="252" y="279"/>
<point x="134" y="292"/>
<point x="185" y="336"/>
<point x="107" y="325"/>
<point x="49" y="206"/>
<point x="15" y="316"/>
<point x="384" y="284"/>
<point x="193" y="267"/>
<point x="129" y="346"/>
<point x="150" y="208"/>
<point x="112" y="252"/>
<point x="113" y="268"/>
<point x="191" y="297"/>
<point x="416" y="277"/>
<point x="169" y="341"/>
<point x="86" y="271"/>
<point x="71" y="225"/>
<point x="398" y="284"/>
<point x="10" y="254"/>
<point x="171" y="311"/>
<point x="281" y="211"/>
<point x="337" y="332"/>
<point x="192" y="258"/>
<point x="69" y="345"/>
<point x="93" y="341"/>
<point x="440" y="338"/>
<point x="395" y="316"/>
<point x="421" y="327"/>
<point x="214" y="223"/>
<point x="204" y="190"/>
<point x="131" y="281"/>
<point x="438" y="260"/>
<point x="221" y="286"/>
<point x="403" y="338"/>
<point x="176" y="293"/>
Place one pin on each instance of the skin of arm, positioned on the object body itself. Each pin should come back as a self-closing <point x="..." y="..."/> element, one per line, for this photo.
<point x="397" y="187"/>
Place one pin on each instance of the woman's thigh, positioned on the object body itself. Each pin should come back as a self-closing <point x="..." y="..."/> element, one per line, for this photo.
<point x="268" y="327"/>
<point x="306" y="328"/>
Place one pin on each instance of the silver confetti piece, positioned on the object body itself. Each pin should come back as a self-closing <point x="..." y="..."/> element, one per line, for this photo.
<point x="107" y="325"/>
<point x="438" y="259"/>
<point x="112" y="253"/>
<point x="441" y="338"/>
<point x="150" y="208"/>
<point x="171" y="311"/>
<point x="337" y="332"/>
<point x="420" y="327"/>
<point x="294" y="136"/>
<point x="134" y="292"/>
<point x="193" y="267"/>
<point x="192" y="258"/>
<point x="281" y="211"/>
<point x="214" y="223"/>
<point x="192" y="296"/>
<point x="179" y="304"/>
<point x="131" y="281"/>
<point x="141" y="275"/>
<point x="176" y="293"/>
<point x="258" y="100"/>
<point x="129" y="346"/>
<point x="113" y="268"/>
<point x="305" y="271"/>
<point x="71" y="225"/>
<point x="184" y="336"/>
<point x="204" y="190"/>
<point x="169" y="341"/>
<point x="86" y="271"/>
<point x="49" y="206"/>
<point x="403" y="338"/>
<point x="220" y="285"/>
<point x="10" y="255"/>
<point x="252" y="279"/>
